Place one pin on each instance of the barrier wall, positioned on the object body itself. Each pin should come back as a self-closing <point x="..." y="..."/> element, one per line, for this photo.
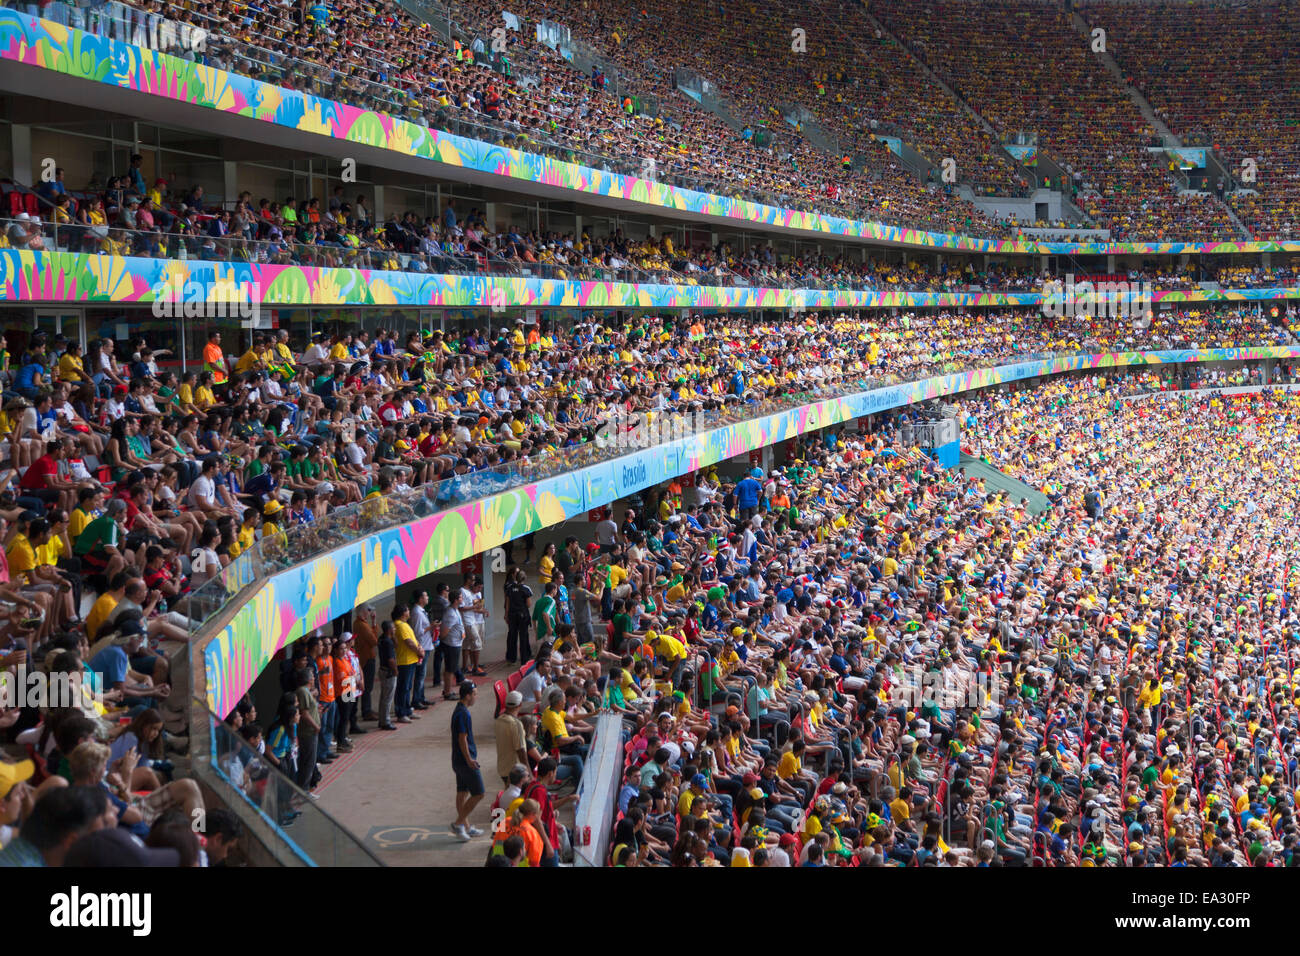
<point x="295" y="601"/>
<point x="51" y="46"/>
<point x="67" y="277"/>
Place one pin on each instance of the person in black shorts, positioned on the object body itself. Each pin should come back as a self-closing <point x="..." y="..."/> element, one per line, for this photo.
<point x="464" y="762"/>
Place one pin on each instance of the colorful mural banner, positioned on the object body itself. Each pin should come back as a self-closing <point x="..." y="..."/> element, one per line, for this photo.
<point x="294" y="602"/>
<point x="1190" y="157"/>
<point x="1028" y="155"/>
<point x="51" y="46"/>
<point x="70" y="278"/>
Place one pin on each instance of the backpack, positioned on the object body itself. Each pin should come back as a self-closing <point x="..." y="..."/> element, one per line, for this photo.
<point x="545" y="740"/>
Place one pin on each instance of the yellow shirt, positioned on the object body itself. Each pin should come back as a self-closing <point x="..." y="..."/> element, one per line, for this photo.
<point x="789" y="765"/>
<point x="402" y="633"/>
<point x="21" y="555"/>
<point x="247" y="361"/>
<point x="50" y="552"/>
<point x="77" y="522"/>
<point x="899" y="810"/>
<point x="669" y="648"/>
<point x="553" y="721"/>
<point x="71" y="368"/>
<point x="99" y="614"/>
<point x="546" y="568"/>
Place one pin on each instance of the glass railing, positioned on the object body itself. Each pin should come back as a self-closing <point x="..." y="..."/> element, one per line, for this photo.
<point x="301" y="542"/>
<point x="241" y="775"/>
<point x="168" y="241"/>
<point x="46" y="233"/>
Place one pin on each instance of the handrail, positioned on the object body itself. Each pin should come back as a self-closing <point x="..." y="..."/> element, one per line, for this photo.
<point x="78" y="237"/>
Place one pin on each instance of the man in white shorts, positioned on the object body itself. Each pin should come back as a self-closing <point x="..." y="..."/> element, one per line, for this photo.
<point x="473" y="614"/>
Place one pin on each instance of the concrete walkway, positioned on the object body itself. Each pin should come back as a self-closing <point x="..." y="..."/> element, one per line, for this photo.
<point x="396" y="792"/>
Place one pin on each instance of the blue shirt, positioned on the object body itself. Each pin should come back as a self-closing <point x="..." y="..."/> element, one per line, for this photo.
<point x="111" y="662"/>
<point x="461" y="724"/>
<point x="27" y="375"/>
<point x="747" y="493"/>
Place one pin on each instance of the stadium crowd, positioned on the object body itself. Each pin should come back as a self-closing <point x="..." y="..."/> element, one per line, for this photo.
<point x="129" y="486"/>
<point x="859" y="659"/>
<point x="1250" y="112"/>
<point x="1048" y="81"/>
<point x="852" y="84"/>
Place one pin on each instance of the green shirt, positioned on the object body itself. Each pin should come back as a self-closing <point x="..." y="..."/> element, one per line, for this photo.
<point x="544" y="611"/>
<point x="99" y="534"/>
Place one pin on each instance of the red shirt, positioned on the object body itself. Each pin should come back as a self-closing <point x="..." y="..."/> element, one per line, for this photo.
<point x="39" y="472"/>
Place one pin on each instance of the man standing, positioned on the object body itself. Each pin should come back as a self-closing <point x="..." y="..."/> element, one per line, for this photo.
<point x="581" y="600"/>
<point x="544" y="615"/>
<point x="450" y="641"/>
<point x="386" y="656"/>
<point x="512" y="744"/>
<point x="328" y="697"/>
<point x="473" y="615"/>
<point x="424" y="637"/>
<point x="464" y="763"/>
<point x="408" y="655"/>
<point x="214" y="360"/>
<point x="436" y="610"/>
<point x="308" y="727"/>
<point x="748" y="492"/>
<point x="366" y="639"/>
<point x="518" y="595"/>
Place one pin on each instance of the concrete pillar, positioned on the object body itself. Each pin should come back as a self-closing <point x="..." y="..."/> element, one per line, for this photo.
<point x="230" y="181"/>
<point x="20" y="140"/>
<point x="494" y="625"/>
<point x="1110" y="264"/>
<point x="377" y="208"/>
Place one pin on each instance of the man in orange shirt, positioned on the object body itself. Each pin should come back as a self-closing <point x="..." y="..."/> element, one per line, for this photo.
<point x="214" y="360"/>
<point x="345" y="688"/>
<point x="327" y="698"/>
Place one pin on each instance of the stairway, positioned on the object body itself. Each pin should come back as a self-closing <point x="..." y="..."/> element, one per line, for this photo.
<point x="995" y="480"/>
<point x="1167" y="136"/>
<point x="1073" y="212"/>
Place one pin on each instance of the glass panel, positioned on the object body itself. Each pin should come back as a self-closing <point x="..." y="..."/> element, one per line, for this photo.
<point x="238" y="772"/>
